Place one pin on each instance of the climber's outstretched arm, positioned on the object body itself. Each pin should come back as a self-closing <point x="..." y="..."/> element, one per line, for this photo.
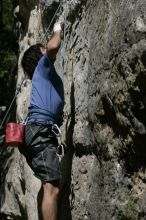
<point x="54" y="43"/>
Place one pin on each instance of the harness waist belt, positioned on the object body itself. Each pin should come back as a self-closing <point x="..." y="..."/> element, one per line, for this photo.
<point x="46" y="115"/>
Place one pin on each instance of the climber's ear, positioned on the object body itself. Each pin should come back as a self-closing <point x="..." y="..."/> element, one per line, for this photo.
<point x="43" y="50"/>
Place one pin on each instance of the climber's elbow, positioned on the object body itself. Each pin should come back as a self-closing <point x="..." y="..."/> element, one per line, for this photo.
<point x="52" y="52"/>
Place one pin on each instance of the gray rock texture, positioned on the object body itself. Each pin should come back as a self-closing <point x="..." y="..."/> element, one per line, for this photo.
<point x="104" y="73"/>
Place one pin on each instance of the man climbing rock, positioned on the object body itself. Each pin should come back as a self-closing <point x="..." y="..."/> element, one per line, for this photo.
<point x="44" y="119"/>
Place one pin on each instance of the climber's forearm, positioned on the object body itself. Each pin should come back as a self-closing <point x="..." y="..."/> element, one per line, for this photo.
<point x="54" y="43"/>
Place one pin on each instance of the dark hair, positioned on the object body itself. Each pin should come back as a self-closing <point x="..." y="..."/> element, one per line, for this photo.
<point x="31" y="58"/>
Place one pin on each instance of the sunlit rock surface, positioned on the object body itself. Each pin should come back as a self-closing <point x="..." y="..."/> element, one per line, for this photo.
<point x="104" y="73"/>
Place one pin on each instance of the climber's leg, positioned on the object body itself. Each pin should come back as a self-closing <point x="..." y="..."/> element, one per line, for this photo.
<point x="49" y="201"/>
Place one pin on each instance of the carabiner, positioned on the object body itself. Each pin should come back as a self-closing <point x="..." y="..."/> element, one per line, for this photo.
<point x="56" y="130"/>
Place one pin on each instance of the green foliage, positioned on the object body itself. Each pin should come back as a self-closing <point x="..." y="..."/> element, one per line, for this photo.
<point x="7" y="47"/>
<point x="128" y="211"/>
<point x="7" y="55"/>
<point x="7" y="14"/>
<point x="122" y="216"/>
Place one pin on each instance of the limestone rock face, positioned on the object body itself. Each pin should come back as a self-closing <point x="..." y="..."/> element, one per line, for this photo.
<point x="104" y="73"/>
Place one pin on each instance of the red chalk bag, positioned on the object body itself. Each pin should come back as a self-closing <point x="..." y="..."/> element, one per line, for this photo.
<point x="15" y="134"/>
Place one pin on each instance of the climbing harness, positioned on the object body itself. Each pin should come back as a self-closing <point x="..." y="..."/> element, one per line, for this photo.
<point x="45" y="115"/>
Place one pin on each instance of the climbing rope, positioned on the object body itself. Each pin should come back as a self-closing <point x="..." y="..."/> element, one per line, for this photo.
<point x="64" y="38"/>
<point x="11" y="104"/>
<point x="46" y="32"/>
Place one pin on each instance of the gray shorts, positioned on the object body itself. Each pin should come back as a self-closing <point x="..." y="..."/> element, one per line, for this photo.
<point x="40" y="152"/>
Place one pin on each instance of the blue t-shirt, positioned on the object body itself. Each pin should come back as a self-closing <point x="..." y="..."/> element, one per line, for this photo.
<point x="47" y="91"/>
